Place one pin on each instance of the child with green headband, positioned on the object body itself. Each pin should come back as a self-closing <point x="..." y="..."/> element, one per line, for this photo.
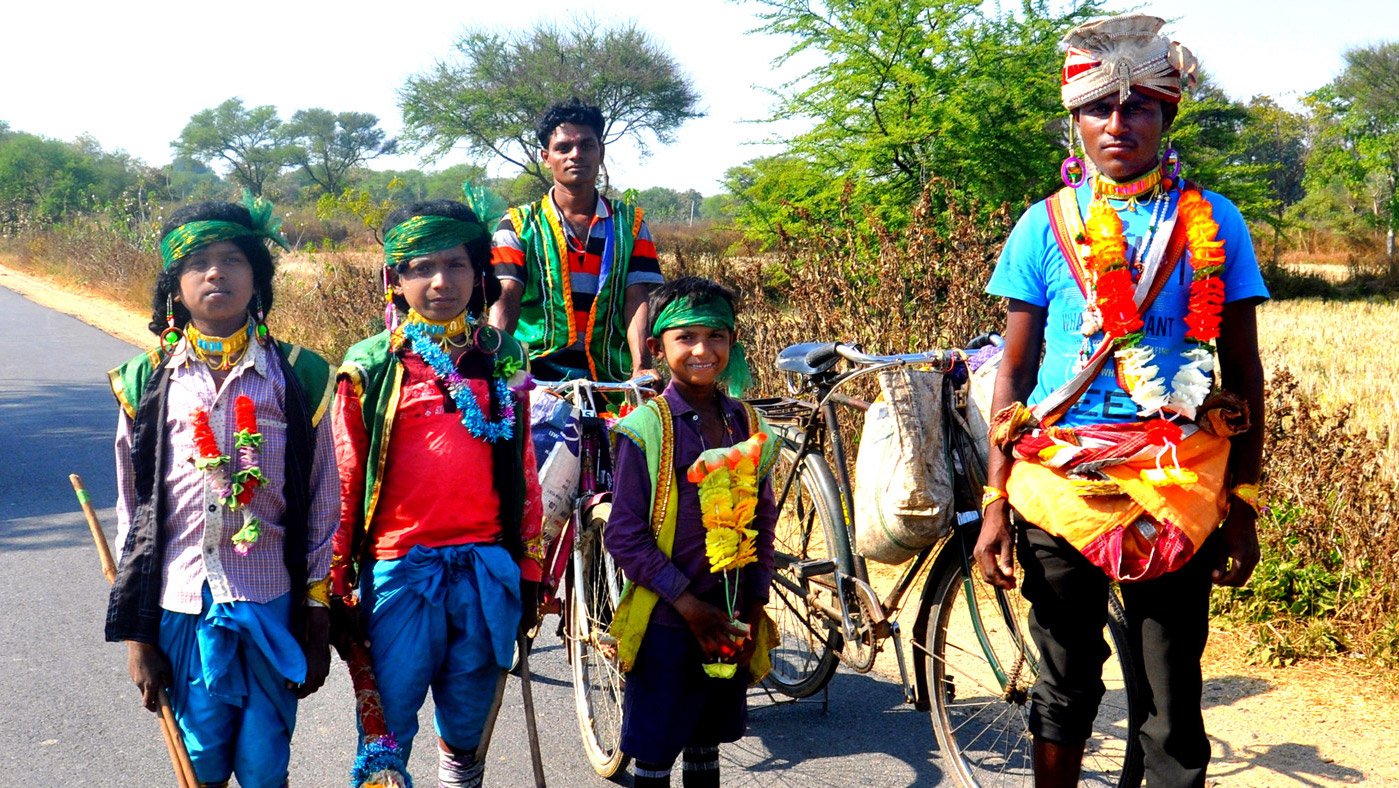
<point x="440" y="521"/>
<point x="227" y="501"/>
<point x="677" y="614"/>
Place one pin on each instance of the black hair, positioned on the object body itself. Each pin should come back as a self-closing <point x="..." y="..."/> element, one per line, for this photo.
<point x="695" y="288"/>
<point x="479" y="248"/>
<point x="167" y="284"/>
<point x="572" y="111"/>
<point x="1169" y="111"/>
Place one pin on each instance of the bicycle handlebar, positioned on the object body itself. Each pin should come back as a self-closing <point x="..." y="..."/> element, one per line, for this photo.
<point x="563" y="386"/>
<point x="942" y="359"/>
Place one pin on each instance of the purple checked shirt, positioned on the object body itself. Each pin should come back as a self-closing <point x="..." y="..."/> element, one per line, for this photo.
<point x="632" y="544"/>
<point x="197" y="531"/>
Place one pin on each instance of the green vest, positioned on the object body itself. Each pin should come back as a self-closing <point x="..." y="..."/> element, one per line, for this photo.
<point x="377" y="375"/>
<point x="546" y="306"/>
<point x="129" y="380"/>
<point x="652" y="428"/>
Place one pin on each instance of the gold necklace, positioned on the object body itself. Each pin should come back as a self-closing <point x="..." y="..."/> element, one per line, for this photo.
<point x="1132" y="191"/>
<point x="218" y="353"/>
<point x="448" y="333"/>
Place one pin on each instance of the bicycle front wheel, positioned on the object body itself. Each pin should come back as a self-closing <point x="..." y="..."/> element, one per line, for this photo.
<point x="809" y="546"/>
<point x="595" y="585"/>
<point x="981" y="666"/>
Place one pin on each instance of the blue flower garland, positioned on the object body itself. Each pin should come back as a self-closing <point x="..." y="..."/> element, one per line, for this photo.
<point x="471" y="416"/>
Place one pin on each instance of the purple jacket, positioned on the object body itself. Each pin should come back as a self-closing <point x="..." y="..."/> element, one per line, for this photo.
<point x="633" y="545"/>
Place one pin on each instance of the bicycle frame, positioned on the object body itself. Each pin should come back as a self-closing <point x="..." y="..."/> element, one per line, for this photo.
<point x="818" y="425"/>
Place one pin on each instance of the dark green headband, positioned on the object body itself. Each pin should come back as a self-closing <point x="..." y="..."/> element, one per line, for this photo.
<point x="182" y="241"/>
<point x="424" y="235"/>
<point x="714" y="313"/>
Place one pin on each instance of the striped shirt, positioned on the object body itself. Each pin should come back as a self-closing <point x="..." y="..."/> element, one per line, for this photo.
<point x="584" y="262"/>
<point x="197" y="530"/>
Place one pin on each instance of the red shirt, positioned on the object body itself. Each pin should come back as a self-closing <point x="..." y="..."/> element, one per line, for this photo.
<point x="437" y="488"/>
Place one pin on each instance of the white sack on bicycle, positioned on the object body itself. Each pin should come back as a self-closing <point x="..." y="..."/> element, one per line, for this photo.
<point x="903" y="486"/>
<point x="553" y="424"/>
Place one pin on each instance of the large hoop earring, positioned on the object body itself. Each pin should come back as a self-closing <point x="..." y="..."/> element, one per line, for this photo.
<point x="259" y="318"/>
<point x="1072" y="172"/>
<point x="483" y="330"/>
<point x="171" y="336"/>
<point x="390" y="314"/>
<point x="1171" y="162"/>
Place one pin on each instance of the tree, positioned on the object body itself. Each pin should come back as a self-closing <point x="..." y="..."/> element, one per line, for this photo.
<point x="49" y="180"/>
<point x="330" y="145"/>
<point x="489" y="96"/>
<point x="909" y="90"/>
<point x="252" y="142"/>
<point x="1275" y="139"/>
<point x="1357" y="134"/>
<point x="1210" y="134"/>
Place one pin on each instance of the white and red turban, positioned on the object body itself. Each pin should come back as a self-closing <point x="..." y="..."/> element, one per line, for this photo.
<point x="1117" y="54"/>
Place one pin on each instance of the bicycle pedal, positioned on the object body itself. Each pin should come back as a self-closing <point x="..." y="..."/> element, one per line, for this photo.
<point x="814" y="567"/>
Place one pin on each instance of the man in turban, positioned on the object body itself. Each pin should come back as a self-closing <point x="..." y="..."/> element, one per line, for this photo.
<point x="1123" y="450"/>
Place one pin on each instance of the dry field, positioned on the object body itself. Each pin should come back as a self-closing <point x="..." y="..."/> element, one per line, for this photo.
<point x="1342" y="352"/>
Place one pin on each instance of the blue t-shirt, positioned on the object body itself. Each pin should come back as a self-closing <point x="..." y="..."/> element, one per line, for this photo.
<point x="1032" y="269"/>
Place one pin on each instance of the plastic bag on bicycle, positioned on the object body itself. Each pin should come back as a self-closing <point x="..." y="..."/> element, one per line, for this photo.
<point x="903" y="485"/>
<point x="554" y="429"/>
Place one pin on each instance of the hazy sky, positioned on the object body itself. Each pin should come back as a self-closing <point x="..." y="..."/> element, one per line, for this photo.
<point x="132" y="74"/>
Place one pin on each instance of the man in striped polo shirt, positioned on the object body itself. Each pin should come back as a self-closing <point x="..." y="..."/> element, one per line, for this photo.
<point x="575" y="267"/>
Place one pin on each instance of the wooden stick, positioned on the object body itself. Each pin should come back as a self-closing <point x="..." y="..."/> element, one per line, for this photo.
<point x="104" y="552"/>
<point x="169" y="729"/>
<point x="184" y="769"/>
<point x="531" y="725"/>
<point x="169" y="737"/>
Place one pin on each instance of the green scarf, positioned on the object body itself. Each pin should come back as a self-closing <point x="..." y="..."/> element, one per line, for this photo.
<point x="180" y="242"/>
<point x="713" y="313"/>
<point x="423" y="235"/>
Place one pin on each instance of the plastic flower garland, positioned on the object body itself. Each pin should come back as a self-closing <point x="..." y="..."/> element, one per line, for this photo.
<point x="471" y="416"/>
<point x="238" y="491"/>
<point x="1122" y="324"/>
<point x="728" y="494"/>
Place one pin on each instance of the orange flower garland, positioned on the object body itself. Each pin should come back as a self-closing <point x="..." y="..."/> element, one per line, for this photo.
<point x="1113" y="299"/>
<point x="1113" y="281"/>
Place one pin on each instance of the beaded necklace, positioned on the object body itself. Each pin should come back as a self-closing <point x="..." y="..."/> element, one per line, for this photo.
<point x="219" y="353"/>
<point x="1129" y="191"/>
<point x="449" y="333"/>
<point x="475" y="421"/>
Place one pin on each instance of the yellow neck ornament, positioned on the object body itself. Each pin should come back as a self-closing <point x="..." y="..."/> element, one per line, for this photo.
<point x="218" y="353"/>
<point x="447" y="333"/>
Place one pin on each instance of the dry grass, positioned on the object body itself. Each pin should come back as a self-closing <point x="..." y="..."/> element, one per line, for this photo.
<point x="1341" y="354"/>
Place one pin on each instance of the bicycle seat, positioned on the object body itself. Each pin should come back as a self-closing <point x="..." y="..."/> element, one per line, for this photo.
<point x="808" y="358"/>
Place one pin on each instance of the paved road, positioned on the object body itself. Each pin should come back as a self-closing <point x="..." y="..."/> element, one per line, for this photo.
<point x="69" y="714"/>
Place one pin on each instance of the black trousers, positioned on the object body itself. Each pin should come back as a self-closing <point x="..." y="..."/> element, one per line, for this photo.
<point x="1167" y="623"/>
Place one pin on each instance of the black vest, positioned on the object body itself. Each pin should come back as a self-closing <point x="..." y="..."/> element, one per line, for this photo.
<point x="133" y="610"/>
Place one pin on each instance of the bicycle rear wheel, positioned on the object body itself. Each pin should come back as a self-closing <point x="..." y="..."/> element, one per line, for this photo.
<point x="596" y="587"/>
<point x="809" y="546"/>
<point x="981" y="665"/>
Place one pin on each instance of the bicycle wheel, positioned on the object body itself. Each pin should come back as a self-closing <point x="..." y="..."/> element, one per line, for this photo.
<point x="981" y="665"/>
<point x="809" y="545"/>
<point x="595" y="586"/>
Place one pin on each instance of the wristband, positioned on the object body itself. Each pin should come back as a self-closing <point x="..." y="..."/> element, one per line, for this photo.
<point x="990" y="495"/>
<point x="1248" y="493"/>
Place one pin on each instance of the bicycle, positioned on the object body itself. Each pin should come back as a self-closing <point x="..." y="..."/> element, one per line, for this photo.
<point x="974" y="661"/>
<point x="583" y="584"/>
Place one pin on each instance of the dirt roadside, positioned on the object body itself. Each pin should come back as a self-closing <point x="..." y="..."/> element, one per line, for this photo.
<point x="1315" y="724"/>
